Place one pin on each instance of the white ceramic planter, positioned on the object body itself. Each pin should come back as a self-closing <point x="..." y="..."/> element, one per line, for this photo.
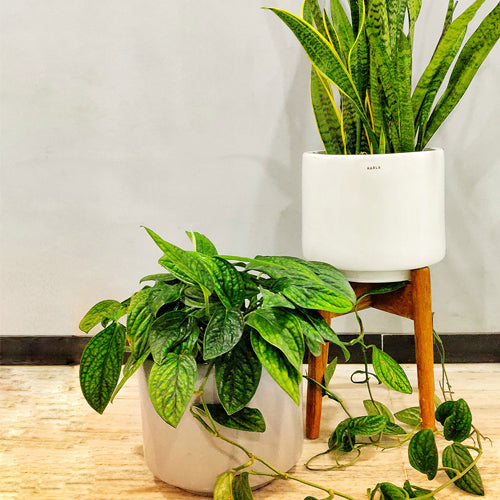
<point x="190" y="458"/>
<point x="374" y="217"/>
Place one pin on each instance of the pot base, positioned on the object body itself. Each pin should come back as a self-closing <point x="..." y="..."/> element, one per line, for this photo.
<point x="376" y="276"/>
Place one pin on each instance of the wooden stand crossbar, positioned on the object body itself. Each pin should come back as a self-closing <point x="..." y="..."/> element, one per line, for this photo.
<point x="413" y="302"/>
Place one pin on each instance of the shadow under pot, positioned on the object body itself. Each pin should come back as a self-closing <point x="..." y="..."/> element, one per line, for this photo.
<point x="190" y="458"/>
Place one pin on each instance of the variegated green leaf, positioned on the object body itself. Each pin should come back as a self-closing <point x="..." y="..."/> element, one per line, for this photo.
<point x="276" y="364"/>
<point x="171" y="386"/>
<point x="377" y="408"/>
<point x="101" y="364"/>
<point x="223" y="489"/>
<point x="166" y="332"/>
<point x="104" y="310"/>
<point x="389" y="372"/>
<point x="130" y="367"/>
<point x="271" y="299"/>
<point x="139" y="318"/>
<point x="202" y="244"/>
<point x="280" y="328"/>
<point x="241" y="487"/>
<point x="237" y="376"/>
<point x="367" y="426"/>
<point x="228" y="283"/>
<point x="377" y="22"/>
<point x="423" y="453"/>
<point x="164" y="293"/>
<point x="342" y="26"/>
<point x="246" y="419"/>
<point x="327" y="116"/>
<point x="312" y="337"/>
<point x="222" y="333"/>
<point x="414" y="7"/>
<point x="457" y="456"/>
<point x="396" y="10"/>
<point x="350" y="126"/>
<point x="470" y="59"/>
<point x="410" y="416"/>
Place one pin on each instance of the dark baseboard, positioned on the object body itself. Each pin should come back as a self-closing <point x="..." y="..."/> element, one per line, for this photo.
<point x="67" y="350"/>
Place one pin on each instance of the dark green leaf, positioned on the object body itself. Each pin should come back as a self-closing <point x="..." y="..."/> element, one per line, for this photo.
<point x="228" y="283"/>
<point x="139" y="318"/>
<point x="201" y="244"/>
<point x="164" y="293"/>
<point x="342" y="438"/>
<point x="389" y="372"/>
<point x="130" y="367"/>
<point x="386" y="288"/>
<point x="367" y="426"/>
<point x="166" y="332"/>
<point x="342" y="26"/>
<point x="171" y="386"/>
<point x="392" y="492"/>
<point x="187" y="266"/>
<point x="100" y="366"/>
<point x="394" y="429"/>
<point x="457" y="456"/>
<point x="281" y="266"/>
<point x="222" y="333"/>
<point x="410" y="416"/>
<point x="415" y="491"/>
<point x="164" y="277"/>
<point x="313" y="338"/>
<point x="237" y="376"/>
<point x="241" y="487"/>
<point x="223" y="489"/>
<point x="192" y="334"/>
<point x="456" y="418"/>
<point x="106" y="309"/>
<point x="276" y="364"/>
<point x="246" y="419"/>
<point x="280" y="328"/>
<point x="423" y="453"/>
<point x="271" y="299"/>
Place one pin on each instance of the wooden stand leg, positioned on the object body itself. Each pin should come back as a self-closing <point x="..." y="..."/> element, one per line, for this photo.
<point x="424" y="346"/>
<point x="317" y="365"/>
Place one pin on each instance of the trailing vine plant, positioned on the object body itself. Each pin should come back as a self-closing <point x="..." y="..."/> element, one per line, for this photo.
<point x="236" y="316"/>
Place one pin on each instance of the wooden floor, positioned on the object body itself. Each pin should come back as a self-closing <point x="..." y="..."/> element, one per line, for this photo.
<point x="53" y="446"/>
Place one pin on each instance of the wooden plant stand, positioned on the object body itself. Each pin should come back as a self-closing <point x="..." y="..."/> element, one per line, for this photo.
<point x="413" y="302"/>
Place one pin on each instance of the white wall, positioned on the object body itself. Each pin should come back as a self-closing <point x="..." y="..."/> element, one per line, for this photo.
<point x="191" y="115"/>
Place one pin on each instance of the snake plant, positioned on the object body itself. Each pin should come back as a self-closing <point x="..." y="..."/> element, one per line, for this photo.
<point x="366" y="53"/>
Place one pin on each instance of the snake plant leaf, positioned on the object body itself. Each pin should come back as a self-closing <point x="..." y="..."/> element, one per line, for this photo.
<point x="165" y="332"/>
<point x="403" y="58"/>
<point x="333" y="37"/>
<point x="139" y="318"/>
<point x="246" y="419"/>
<point x="355" y="8"/>
<point x="457" y="456"/>
<point x="101" y="364"/>
<point x="390" y="372"/>
<point x="104" y="310"/>
<point x="452" y="4"/>
<point x="423" y="453"/>
<point x="276" y="364"/>
<point x="202" y="244"/>
<point x="315" y="17"/>
<point x="322" y="55"/>
<point x="237" y="376"/>
<point x="171" y="386"/>
<point x="351" y="126"/>
<point x="228" y="283"/>
<point x="359" y="64"/>
<point x="470" y="59"/>
<point x="377" y="22"/>
<point x="435" y="72"/>
<point x="396" y="10"/>
<point x="223" y="489"/>
<point x="342" y="26"/>
<point x="414" y="7"/>
<point x="241" y="487"/>
<point x="187" y="266"/>
<point x="222" y="333"/>
<point x="327" y="115"/>
<point x="281" y="329"/>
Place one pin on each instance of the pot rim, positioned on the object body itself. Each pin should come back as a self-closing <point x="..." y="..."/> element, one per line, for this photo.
<point x="322" y="154"/>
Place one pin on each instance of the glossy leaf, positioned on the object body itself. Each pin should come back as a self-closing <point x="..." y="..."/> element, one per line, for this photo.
<point x="367" y="426"/>
<point x="415" y="491"/>
<point x="106" y="309"/>
<point x="393" y="429"/>
<point x="222" y="332"/>
<point x="392" y="492"/>
<point x="202" y="244"/>
<point x="101" y="364"/>
<point x="386" y="288"/>
<point x="228" y="283"/>
<point x="163" y="293"/>
<point x="457" y="456"/>
<point x="329" y="371"/>
<point x="342" y="438"/>
<point x="280" y="328"/>
<point x="241" y="487"/>
<point x="342" y="26"/>
<point x="187" y="266"/>
<point x="423" y="453"/>
<point x="281" y="266"/>
<point x="166" y="332"/>
<point x="223" y="489"/>
<point x="389" y="372"/>
<point x="456" y="419"/>
<point x="171" y="386"/>
<point x="237" y="376"/>
<point x="130" y="367"/>
<point x="164" y="277"/>
<point x="276" y="364"/>
<point x="378" y="408"/>
<point x="410" y="416"/>
<point x="246" y="419"/>
<point x="139" y="318"/>
<point x="271" y="299"/>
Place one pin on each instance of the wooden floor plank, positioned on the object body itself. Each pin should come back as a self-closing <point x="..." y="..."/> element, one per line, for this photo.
<point x="53" y="446"/>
